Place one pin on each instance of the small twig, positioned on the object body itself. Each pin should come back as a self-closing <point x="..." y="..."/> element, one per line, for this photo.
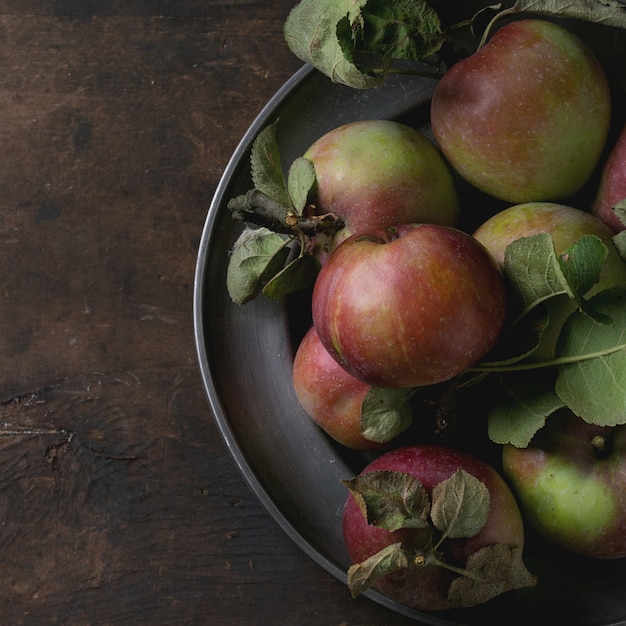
<point x="258" y="208"/>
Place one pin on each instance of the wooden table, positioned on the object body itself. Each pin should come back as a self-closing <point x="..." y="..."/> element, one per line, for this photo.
<point x="119" y="503"/>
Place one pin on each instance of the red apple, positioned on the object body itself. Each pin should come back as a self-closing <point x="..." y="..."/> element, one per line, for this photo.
<point x="408" y="306"/>
<point x="566" y="225"/>
<point x="424" y="585"/>
<point x="330" y="396"/>
<point x="612" y="188"/>
<point x="526" y="117"/>
<point x="381" y="173"/>
<point x="570" y="483"/>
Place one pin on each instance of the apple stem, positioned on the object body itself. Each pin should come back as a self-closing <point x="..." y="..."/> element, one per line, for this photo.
<point x="599" y="443"/>
<point x="433" y="560"/>
<point x="487" y="31"/>
<point x="526" y="367"/>
<point x="419" y="560"/>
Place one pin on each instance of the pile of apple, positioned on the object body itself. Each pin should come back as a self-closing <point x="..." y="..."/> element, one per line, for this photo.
<point x="412" y="294"/>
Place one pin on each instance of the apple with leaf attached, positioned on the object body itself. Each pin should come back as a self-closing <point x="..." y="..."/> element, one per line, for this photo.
<point x="360" y="175"/>
<point x="350" y="411"/>
<point x="565" y="225"/>
<point x="568" y="282"/>
<point x="433" y="528"/>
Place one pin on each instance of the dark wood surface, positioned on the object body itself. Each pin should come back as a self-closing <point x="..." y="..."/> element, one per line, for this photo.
<point x="119" y="503"/>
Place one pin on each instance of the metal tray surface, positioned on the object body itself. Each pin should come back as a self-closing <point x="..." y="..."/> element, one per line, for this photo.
<point x="245" y="356"/>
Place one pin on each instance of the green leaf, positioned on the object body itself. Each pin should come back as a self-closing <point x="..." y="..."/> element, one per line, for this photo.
<point x="257" y="255"/>
<point x="460" y="505"/>
<point x="607" y="12"/>
<point x="258" y="208"/>
<point x="604" y="12"/>
<point x="403" y="29"/>
<point x="620" y="210"/>
<point x="391" y="500"/>
<point x="620" y="243"/>
<point x="385" y="413"/>
<point x="310" y="31"/>
<point x="297" y="275"/>
<point x="537" y="274"/>
<point x="523" y="409"/>
<point x="361" y="576"/>
<point x="533" y="269"/>
<point x="582" y="263"/>
<point x="265" y="166"/>
<point x="491" y="571"/>
<point x="300" y="181"/>
<point x="592" y="379"/>
<point x="333" y="34"/>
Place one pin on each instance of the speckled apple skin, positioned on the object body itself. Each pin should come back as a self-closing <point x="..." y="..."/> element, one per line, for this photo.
<point x="381" y="173"/>
<point x="527" y="116"/>
<point x="612" y="187"/>
<point x="409" y="306"/>
<point x="330" y="396"/>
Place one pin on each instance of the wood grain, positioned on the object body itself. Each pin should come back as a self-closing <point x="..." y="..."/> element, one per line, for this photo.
<point x="119" y="503"/>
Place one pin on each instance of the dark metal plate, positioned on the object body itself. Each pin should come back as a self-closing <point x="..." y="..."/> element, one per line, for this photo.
<point x="245" y="355"/>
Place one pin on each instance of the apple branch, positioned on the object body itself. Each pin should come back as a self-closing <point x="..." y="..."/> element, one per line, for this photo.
<point x="256" y="207"/>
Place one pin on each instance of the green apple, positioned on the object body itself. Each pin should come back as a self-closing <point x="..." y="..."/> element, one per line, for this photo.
<point x="570" y="483"/>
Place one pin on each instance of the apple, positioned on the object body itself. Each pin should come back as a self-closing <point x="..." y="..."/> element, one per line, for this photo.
<point x="424" y="585"/>
<point x="381" y="173"/>
<point x="566" y="225"/>
<point x="570" y="483"/>
<point x="330" y="396"/>
<point x="526" y="117"/>
<point x="612" y="187"/>
<point x="410" y="305"/>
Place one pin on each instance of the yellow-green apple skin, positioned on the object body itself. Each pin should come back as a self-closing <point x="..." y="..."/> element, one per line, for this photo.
<point x="526" y="117"/>
<point x="570" y="483"/>
<point x="381" y="173"/>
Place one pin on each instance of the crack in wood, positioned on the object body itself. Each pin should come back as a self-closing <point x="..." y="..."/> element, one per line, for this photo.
<point x="28" y="397"/>
<point x="11" y="430"/>
<point x="112" y="457"/>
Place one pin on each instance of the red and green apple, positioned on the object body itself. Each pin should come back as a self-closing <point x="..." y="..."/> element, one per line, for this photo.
<point x="381" y="173"/>
<point x="526" y="117"/>
<point x="409" y="306"/>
